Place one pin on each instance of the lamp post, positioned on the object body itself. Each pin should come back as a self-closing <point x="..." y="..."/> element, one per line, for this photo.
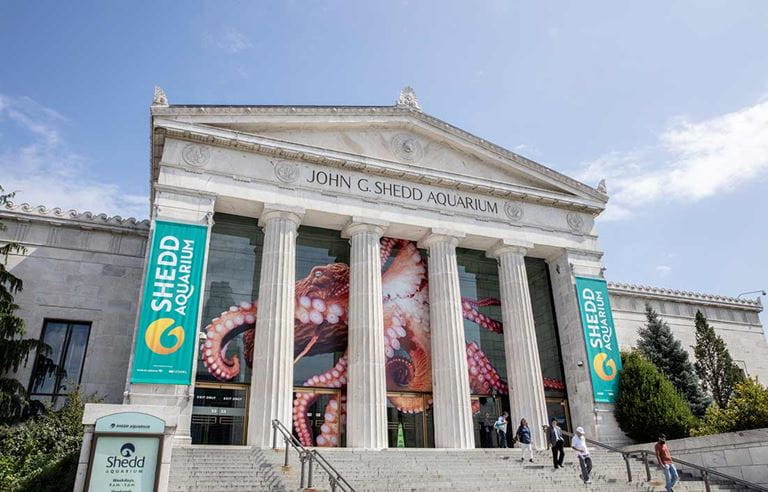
<point x="761" y="292"/>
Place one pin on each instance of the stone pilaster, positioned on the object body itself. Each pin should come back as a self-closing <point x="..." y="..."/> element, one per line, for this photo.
<point x="272" y="376"/>
<point x="366" y="377"/>
<point x="192" y="207"/>
<point x="450" y="379"/>
<point x="526" y="389"/>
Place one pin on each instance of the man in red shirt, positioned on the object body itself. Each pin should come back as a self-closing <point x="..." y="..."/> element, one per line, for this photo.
<point x="664" y="459"/>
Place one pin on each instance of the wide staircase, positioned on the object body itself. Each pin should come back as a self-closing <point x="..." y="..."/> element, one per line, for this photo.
<point x="239" y="468"/>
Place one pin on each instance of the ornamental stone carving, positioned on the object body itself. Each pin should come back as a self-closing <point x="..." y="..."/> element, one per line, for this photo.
<point x="406" y="147"/>
<point x="514" y="210"/>
<point x="159" y="98"/>
<point x="575" y="222"/>
<point x="196" y="155"/>
<point x="286" y="172"/>
<point x="408" y="99"/>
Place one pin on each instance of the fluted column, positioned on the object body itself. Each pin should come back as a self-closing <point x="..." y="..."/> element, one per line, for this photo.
<point x="366" y="377"/>
<point x="272" y="377"/>
<point x="450" y="379"/>
<point x="526" y="389"/>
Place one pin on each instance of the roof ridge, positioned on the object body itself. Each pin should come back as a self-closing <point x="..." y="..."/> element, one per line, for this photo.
<point x="72" y="214"/>
<point x="681" y="293"/>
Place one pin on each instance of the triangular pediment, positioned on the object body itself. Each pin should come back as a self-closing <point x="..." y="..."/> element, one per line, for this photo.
<point x="387" y="134"/>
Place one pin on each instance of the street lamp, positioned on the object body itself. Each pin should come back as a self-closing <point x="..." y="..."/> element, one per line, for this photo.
<point x="761" y="292"/>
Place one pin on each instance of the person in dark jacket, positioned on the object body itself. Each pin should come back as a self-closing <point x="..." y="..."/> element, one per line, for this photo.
<point x="523" y="435"/>
<point x="556" y="440"/>
<point x="486" y="430"/>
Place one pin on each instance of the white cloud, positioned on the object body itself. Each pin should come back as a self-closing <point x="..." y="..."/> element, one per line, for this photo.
<point x="233" y="41"/>
<point x="690" y="161"/>
<point x="39" y="166"/>
<point x="663" y="270"/>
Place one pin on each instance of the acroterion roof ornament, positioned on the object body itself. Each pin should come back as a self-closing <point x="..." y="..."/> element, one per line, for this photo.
<point x="408" y="99"/>
<point x="159" y="98"/>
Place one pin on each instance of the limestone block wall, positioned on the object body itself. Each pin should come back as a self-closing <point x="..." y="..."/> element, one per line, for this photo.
<point x="80" y="267"/>
<point x="742" y="454"/>
<point x="736" y="322"/>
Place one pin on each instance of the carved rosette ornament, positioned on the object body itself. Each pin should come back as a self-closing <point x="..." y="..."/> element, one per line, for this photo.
<point x="286" y="172"/>
<point x="514" y="210"/>
<point x="196" y="155"/>
<point x="406" y="147"/>
<point x="575" y="222"/>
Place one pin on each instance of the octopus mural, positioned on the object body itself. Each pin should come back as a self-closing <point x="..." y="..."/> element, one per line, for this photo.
<point x="322" y="301"/>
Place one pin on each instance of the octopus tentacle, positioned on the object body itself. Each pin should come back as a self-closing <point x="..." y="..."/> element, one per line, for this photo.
<point x="482" y="302"/>
<point x="472" y="314"/>
<point x="336" y="377"/>
<point x="334" y="419"/>
<point x="483" y="377"/>
<point x="405" y="276"/>
<point x="219" y="333"/>
<point x="387" y="243"/>
<point x="475" y="407"/>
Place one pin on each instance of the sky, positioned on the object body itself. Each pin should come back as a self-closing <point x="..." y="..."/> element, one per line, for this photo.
<point x="668" y="101"/>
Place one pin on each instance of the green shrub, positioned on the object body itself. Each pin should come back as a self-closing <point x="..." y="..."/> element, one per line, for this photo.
<point x="42" y="453"/>
<point x="747" y="409"/>
<point x="648" y="404"/>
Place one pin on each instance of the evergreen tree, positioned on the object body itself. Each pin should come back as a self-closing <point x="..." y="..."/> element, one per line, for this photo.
<point x="659" y="345"/>
<point x="714" y="365"/>
<point x="648" y="404"/>
<point x="13" y="348"/>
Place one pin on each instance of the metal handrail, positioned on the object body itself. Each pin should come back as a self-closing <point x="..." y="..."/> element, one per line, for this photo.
<point x="307" y="458"/>
<point x="705" y="471"/>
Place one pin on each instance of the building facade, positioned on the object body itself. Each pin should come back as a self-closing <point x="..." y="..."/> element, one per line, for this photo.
<point x="372" y="277"/>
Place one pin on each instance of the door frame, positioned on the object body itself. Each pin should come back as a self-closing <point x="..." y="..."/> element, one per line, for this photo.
<point x="425" y="400"/>
<point x="232" y="386"/>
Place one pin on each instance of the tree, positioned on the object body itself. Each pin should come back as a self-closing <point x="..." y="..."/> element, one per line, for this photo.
<point x="659" y="345"/>
<point x="648" y="404"/>
<point x="13" y="348"/>
<point x="747" y="409"/>
<point x="714" y="365"/>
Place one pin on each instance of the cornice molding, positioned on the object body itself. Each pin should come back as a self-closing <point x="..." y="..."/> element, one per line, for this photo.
<point x="289" y="150"/>
<point x="692" y="297"/>
<point x="74" y="217"/>
<point x="403" y="111"/>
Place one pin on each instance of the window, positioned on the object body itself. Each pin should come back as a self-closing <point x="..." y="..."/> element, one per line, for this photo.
<point x="57" y="374"/>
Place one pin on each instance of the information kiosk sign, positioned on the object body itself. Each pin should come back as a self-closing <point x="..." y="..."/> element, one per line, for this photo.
<point x="125" y="454"/>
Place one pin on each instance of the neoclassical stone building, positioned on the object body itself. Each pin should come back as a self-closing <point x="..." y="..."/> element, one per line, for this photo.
<point x="370" y="276"/>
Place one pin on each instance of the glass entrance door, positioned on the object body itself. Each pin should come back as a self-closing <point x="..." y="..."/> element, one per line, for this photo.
<point x="219" y="414"/>
<point x="410" y="421"/>
<point x="490" y="409"/>
<point x="557" y="408"/>
<point x="325" y="421"/>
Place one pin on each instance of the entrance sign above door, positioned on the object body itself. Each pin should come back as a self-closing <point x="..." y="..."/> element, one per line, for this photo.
<point x="166" y="335"/>
<point x="600" y="337"/>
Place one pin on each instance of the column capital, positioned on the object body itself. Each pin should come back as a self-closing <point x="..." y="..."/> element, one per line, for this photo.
<point x="440" y="235"/>
<point x="358" y="225"/>
<point x="184" y="205"/>
<point x="276" y="211"/>
<point x="505" y="246"/>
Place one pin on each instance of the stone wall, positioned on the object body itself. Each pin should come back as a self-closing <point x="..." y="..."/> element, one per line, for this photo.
<point x="742" y="455"/>
<point x="80" y="267"/>
<point x="735" y="320"/>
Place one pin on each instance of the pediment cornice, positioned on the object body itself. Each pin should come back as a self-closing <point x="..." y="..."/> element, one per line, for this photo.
<point x="407" y="116"/>
<point x="227" y="138"/>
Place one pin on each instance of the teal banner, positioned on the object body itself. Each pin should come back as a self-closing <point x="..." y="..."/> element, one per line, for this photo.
<point x="166" y="341"/>
<point x="600" y="337"/>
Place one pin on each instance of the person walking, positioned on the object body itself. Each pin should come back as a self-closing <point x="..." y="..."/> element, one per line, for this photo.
<point x="486" y="428"/>
<point x="523" y="435"/>
<point x="501" y="431"/>
<point x="579" y="443"/>
<point x="664" y="459"/>
<point x="556" y="441"/>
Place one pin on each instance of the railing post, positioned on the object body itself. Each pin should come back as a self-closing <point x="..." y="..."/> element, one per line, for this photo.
<point x="303" y="459"/>
<point x="647" y="468"/>
<point x="332" y="480"/>
<point x="274" y="435"/>
<point x="309" y="479"/>
<point x="626" y="462"/>
<point x="286" y="452"/>
<point x="705" y="475"/>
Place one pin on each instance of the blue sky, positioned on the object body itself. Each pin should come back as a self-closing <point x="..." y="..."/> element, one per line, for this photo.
<point x="667" y="100"/>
